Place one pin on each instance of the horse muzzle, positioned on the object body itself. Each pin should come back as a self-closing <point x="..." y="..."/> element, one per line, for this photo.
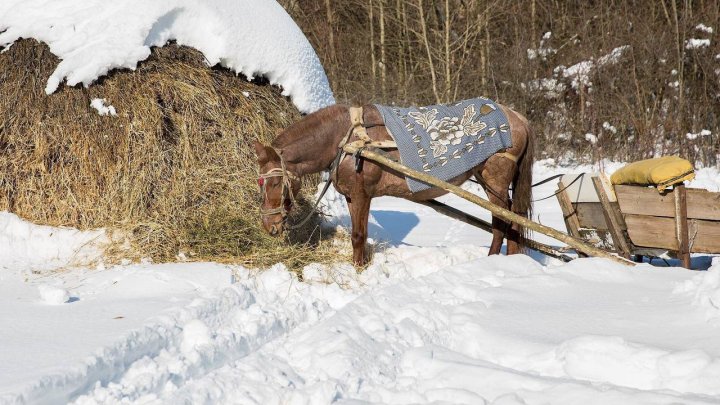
<point x="274" y="228"/>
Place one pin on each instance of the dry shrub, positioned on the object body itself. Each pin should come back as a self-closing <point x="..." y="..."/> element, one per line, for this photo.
<point x="655" y="98"/>
<point x="174" y="171"/>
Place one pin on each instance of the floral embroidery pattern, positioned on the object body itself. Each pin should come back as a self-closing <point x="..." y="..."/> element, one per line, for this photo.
<point x="448" y="130"/>
<point x="442" y="135"/>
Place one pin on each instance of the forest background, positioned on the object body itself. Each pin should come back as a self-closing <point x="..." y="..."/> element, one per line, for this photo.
<point x="623" y="80"/>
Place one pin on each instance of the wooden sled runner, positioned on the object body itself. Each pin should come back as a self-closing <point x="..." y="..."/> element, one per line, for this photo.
<point x="636" y="221"/>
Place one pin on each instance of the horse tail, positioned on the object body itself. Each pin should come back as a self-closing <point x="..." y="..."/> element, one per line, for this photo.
<point x="522" y="183"/>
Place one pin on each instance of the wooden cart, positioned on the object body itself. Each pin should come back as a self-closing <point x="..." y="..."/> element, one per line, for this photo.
<point x="638" y="220"/>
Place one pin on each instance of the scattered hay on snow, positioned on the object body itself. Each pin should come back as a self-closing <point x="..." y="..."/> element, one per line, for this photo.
<point x="173" y="171"/>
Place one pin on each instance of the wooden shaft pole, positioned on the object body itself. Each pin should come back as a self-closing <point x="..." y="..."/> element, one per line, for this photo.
<point x="461" y="216"/>
<point x="498" y="211"/>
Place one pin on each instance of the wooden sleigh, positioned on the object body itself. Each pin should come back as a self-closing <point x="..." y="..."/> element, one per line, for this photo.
<point x="637" y="221"/>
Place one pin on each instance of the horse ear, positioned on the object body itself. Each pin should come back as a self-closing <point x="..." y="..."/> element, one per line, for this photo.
<point x="261" y="152"/>
<point x="265" y="153"/>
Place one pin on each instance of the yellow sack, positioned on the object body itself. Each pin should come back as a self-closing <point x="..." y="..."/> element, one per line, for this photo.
<point x="660" y="172"/>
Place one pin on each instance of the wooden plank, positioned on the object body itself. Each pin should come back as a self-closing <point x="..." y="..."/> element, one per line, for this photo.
<point x="507" y="215"/>
<point x="681" y="225"/>
<point x="648" y="231"/>
<point x="659" y="232"/>
<point x="621" y="244"/>
<point x="704" y="236"/>
<point x="569" y="214"/>
<point x="590" y="215"/>
<point x="701" y="204"/>
<point x="645" y="201"/>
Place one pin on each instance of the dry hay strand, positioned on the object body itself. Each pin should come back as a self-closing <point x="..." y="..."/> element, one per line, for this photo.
<point x="173" y="172"/>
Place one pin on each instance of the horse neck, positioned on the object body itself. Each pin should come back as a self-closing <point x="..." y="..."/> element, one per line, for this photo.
<point x="310" y="145"/>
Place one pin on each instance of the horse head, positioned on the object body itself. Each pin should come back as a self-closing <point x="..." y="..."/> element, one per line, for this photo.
<point x="278" y="188"/>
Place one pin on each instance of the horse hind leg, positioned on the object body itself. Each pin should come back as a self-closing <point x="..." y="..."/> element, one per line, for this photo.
<point x="496" y="177"/>
<point x="499" y="226"/>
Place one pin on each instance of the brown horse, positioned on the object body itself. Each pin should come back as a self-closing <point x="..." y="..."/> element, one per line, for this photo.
<point x="312" y="144"/>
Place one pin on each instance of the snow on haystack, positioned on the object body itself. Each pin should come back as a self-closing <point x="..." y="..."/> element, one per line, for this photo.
<point x="92" y="37"/>
<point x="102" y="109"/>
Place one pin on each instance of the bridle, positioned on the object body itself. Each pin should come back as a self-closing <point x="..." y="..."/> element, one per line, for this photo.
<point x="286" y="191"/>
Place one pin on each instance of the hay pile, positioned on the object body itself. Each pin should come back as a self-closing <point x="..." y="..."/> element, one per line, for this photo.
<point x="173" y="172"/>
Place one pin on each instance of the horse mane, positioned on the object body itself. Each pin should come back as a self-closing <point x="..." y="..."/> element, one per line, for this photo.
<point x="317" y="124"/>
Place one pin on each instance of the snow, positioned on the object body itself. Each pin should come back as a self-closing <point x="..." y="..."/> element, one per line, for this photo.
<point x="609" y="127"/>
<point x="550" y="88"/>
<point x="705" y="292"/>
<point x="578" y="75"/>
<point x="707" y="178"/>
<point x="693" y="136"/>
<point x="28" y="247"/>
<point x="432" y="319"/>
<point x="580" y="72"/>
<point x="93" y="37"/>
<point x="694" y="43"/>
<point x="543" y="51"/>
<point x="53" y="295"/>
<point x="102" y="109"/>
<point x="704" y="28"/>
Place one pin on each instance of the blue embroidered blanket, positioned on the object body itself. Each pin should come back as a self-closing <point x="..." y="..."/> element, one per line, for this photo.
<point x="447" y="140"/>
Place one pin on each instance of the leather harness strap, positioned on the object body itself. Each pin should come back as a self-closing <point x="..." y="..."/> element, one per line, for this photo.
<point x="509" y="155"/>
<point x="357" y="128"/>
<point x="356" y="116"/>
<point x="358" y="124"/>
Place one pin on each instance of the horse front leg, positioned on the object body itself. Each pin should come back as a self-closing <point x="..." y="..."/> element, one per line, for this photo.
<point x="359" y="206"/>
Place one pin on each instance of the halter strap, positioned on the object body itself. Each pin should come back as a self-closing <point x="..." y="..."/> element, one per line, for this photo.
<point x="287" y="178"/>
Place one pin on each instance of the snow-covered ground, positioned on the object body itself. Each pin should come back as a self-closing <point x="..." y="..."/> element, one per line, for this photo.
<point x="431" y="320"/>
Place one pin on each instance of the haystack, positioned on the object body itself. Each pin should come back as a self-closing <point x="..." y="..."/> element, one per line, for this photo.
<point x="172" y="172"/>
